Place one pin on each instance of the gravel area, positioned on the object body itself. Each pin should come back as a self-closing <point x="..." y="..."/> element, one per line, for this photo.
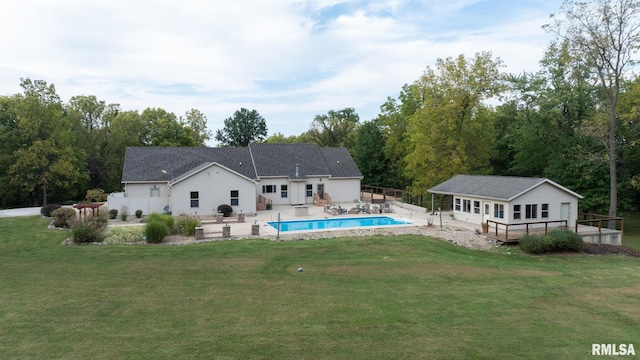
<point x="458" y="236"/>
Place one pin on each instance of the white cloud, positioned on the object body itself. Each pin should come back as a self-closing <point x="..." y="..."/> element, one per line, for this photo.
<point x="290" y="60"/>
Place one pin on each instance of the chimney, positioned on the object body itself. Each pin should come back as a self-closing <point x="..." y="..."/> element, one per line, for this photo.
<point x="297" y="170"/>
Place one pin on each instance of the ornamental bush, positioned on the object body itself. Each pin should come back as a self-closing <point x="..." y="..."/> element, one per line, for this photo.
<point x="84" y="232"/>
<point x="565" y="240"/>
<point x="225" y="209"/>
<point x="124" y="212"/>
<point x="47" y="209"/>
<point x="554" y="241"/>
<point x="186" y="224"/>
<point x="124" y="235"/>
<point x="63" y="217"/>
<point x="167" y="219"/>
<point x="155" y="231"/>
<point x="138" y="214"/>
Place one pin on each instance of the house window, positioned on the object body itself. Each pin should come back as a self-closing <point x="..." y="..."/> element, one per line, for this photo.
<point x="466" y="205"/>
<point x="476" y="207"/>
<point x="268" y="189"/>
<point x="457" y="204"/>
<point x="309" y="190"/>
<point x="517" y="211"/>
<point x="498" y="211"/>
<point x="531" y="211"/>
<point x="195" y="201"/>
<point x="545" y="211"/>
<point x="283" y="191"/>
<point x="234" y="197"/>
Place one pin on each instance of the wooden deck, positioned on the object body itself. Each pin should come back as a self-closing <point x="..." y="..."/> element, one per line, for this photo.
<point x="591" y="234"/>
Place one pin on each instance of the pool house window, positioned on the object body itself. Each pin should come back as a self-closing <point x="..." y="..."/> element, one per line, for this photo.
<point x="498" y="211"/>
<point x="517" y="211"/>
<point x="545" y="211"/>
<point x="531" y="211"/>
<point x="457" y="201"/>
<point x="476" y="207"/>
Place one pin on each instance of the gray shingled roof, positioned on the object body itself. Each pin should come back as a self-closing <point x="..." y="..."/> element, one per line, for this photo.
<point x="493" y="187"/>
<point x="340" y="162"/>
<point x="281" y="160"/>
<point x="145" y="164"/>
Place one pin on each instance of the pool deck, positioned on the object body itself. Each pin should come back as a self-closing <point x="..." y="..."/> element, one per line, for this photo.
<point x="288" y="212"/>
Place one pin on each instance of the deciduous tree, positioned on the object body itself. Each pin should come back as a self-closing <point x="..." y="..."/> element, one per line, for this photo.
<point x="244" y="127"/>
<point x="606" y="33"/>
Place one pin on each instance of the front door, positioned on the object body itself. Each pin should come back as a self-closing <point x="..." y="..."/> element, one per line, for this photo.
<point x="487" y="209"/>
<point x="321" y="191"/>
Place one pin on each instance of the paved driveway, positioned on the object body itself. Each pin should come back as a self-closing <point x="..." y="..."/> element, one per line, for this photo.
<point x="20" y="212"/>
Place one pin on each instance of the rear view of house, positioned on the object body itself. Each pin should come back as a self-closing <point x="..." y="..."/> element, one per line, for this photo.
<point x="198" y="180"/>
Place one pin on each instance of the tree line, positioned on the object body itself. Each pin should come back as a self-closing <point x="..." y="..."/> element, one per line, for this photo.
<point x="575" y="121"/>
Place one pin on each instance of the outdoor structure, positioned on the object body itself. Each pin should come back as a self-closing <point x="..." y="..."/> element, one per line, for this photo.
<point x="197" y="180"/>
<point x="513" y="201"/>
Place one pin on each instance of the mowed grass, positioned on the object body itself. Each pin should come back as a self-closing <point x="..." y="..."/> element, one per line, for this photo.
<point x="403" y="297"/>
<point x="631" y="236"/>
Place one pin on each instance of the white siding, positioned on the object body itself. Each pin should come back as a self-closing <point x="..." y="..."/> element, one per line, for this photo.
<point x="214" y="185"/>
<point x="343" y="190"/>
<point x="545" y="194"/>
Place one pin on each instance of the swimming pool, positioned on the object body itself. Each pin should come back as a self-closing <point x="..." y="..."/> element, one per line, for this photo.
<point x="336" y="223"/>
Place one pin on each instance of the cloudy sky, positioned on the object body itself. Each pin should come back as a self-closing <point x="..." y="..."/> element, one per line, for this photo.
<point x="288" y="59"/>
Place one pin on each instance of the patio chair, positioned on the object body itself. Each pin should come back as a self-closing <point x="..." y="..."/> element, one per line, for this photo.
<point x="366" y="209"/>
<point x="341" y="211"/>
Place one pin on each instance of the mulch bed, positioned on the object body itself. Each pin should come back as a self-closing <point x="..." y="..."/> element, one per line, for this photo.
<point x="606" y="249"/>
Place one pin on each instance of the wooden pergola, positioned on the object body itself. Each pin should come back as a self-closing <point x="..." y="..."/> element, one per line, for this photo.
<point x="82" y="208"/>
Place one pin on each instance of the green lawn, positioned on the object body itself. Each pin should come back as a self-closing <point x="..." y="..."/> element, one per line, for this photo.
<point x="403" y="297"/>
<point x="631" y="229"/>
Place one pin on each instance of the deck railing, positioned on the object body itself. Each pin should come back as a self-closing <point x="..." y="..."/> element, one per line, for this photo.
<point x="593" y="220"/>
<point x="523" y="228"/>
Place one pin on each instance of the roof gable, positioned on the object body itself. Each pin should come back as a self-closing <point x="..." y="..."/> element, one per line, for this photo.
<point x="147" y="163"/>
<point x="493" y="187"/>
<point x="203" y="167"/>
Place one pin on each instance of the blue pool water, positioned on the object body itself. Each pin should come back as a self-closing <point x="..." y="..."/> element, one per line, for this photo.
<point x="336" y="223"/>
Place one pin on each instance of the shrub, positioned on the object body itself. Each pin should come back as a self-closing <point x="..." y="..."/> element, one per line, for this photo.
<point x="84" y="232"/>
<point x="533" y="244"/>
<point x="47" y="209"/>
<point x="565" y="240"/>
<point x="138" y="214"/>
<point x="124" y="235"/>
<point x="96" y="195"/>
<point x="113" y="213"/>
<point x="225" y="209"/>
<point x="63" y="216"/>
<point x="155" y="231"/>
<point x="164" y="218"/>
<point x="186" y="224"/>
<point x="554" y="241"/>
<point x="124" y="213"/>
